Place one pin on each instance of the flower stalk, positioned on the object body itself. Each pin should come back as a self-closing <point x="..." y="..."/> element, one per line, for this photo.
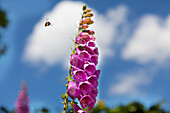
<point x="82" y="80"/>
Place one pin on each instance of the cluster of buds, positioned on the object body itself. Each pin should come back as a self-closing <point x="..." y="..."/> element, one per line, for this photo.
<point x="23" y="100"/>
<point x="83" y="66"/>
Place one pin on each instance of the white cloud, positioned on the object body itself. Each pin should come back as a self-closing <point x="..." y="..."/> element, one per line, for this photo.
<point x="150" y="41"/>
<point x="51" y="45"/>
<point x="130" y="84"/>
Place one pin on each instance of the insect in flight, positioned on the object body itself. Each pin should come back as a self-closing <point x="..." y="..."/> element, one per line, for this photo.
<point x="47" y="23"/>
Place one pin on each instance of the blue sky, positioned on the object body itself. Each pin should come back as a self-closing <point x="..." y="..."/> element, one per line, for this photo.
<point x="133" y="38"/>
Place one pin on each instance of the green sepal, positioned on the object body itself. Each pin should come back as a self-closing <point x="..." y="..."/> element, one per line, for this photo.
<point x="66" y="78"/>
<point x="66" y="85"/>
<point x="65" y="107"/>
<point x="63" y="96"/>
<point x="61" y="101"/>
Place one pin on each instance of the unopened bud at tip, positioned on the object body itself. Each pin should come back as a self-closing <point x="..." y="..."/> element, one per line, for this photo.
<point x="84" y="7"/>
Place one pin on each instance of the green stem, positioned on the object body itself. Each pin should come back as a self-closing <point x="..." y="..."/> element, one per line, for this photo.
<point x="66" y="101"/>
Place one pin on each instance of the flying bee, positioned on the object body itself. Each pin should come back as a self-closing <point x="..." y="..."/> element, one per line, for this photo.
<point x="47" y="23"/>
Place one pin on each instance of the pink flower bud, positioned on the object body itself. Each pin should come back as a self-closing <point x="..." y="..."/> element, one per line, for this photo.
<point x="91" y="32"/>
<point x="84" y="35"/>
<point x="89" y="15"/>
<point x="85" y="26"/>
<point x="86" y="20"/>
<point x="73" y="91"/>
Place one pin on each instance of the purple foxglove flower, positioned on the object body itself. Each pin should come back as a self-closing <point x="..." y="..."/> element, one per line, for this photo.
<point x="94" y="93"/>
<point x="85" y="87"/>
<point x="93" y="80"/>
<point x="79" y="75"/>
<point x="91" y="44"/>
<point x="90" y="50"/>
<point x="92" y="105"/>
<point x="23" y="101"/>
<point x="95" y="51"/>
<point x="89" y="68"/>
<point x="85" y="26"/>
<point x="84" y="35"/>
<point x="76" y="61"/>
<point x="79" y="49"/>
<point x="83" y="55"/>
<point x="80" y="41"/>
<point x="87" y="100"/>
<point x="94" y="59"/>
<point x="97" y="73"/>
<point x="73" y="91"/>
<point x="93" y="38"/>
<point x="77" y="109"/>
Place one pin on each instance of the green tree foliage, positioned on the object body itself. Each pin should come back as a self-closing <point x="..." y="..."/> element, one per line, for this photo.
<point x="3" y="110"/>
<point x="134" y="107"/>
<point x="3" y="24"/>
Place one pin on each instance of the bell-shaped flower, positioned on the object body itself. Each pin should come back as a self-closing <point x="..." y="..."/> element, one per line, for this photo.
<point x="97" y="73"/>
<point x="91" y="44"/>
<point x="73" y="91"/>
<point x="85" y="87"/>
<point x="93" y="93"/>
<point x="84" y="35"/>
<point x="92" y="105"/>
<point x="93" y="80"/>
<point x="76" y="61"/>
<point x="90" y="50"/>
<point x="83" y="55"/>
<point x="77" y="109"/>
<point x="94" y="59"/>
<point x="89" y="68"/>
<point x="80" y="41"/>
<point x="93" y="38"/>
<point x="79" y="75"/>
<point x="87" y="100"/>
<point x="95" y="51"/>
